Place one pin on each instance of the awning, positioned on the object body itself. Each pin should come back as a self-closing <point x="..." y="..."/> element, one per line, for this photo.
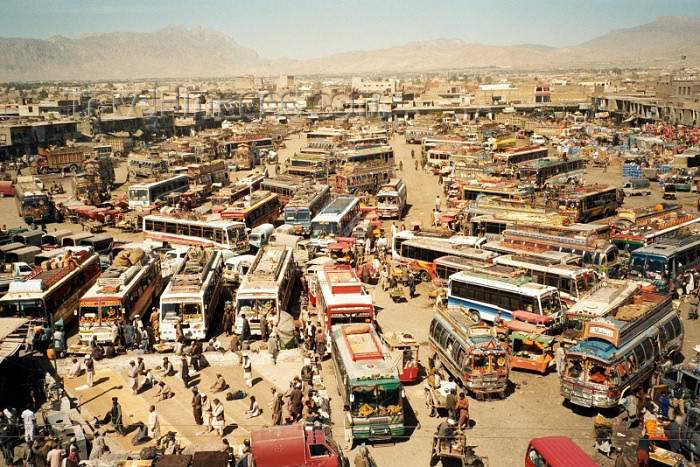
<point x="13" y="333"/>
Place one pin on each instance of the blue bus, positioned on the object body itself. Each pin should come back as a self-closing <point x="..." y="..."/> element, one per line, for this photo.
<point x="338" y="218"/>
<point x="304" y="205"/>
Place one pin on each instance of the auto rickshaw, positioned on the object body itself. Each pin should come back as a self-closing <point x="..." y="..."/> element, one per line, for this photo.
<point x="403" y="349"/>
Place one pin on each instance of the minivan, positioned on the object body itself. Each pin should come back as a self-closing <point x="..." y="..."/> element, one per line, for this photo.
<point x="260" y="235"/>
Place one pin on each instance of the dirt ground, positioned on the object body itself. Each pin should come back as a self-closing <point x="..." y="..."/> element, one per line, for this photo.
<point x="503" y="428"/>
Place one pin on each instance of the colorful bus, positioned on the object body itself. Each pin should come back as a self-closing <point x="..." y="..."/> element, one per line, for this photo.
<point x="470" y="352"/>
<point x="338" y="218"/>
<point x="259" y="207"/>
<point x="493" y="295"/>
<point x="512" y="157"/>
<point x="307" y="202"/>
<point x="664" y="262"/>
<point x="284" y="186"/>
<point x="192" y="295"/>
<point x="222" y="234"/>
<point x="589" y="202"/>
<point x="367" y="156"/>
<point x="543" y="173"/>
<point x="368" y="382"/>
<point x="130" y="286"/>
<point x="52" y="295"/>
<point x="266" y="288"/>
<point x="34" y="205"/>
<point x="619" y="353"/>
<point x="146" y="165"/>
<point x="148" y="193"/>
<point x="340" y="297"/>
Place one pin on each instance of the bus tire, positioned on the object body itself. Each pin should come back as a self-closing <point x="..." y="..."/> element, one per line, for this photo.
<point x="424" y="276"/>
<point x="502" y="395"/>
<point x="475" y="316"/>
<point x="434" y="459"/>
<point x="73" y="168"/>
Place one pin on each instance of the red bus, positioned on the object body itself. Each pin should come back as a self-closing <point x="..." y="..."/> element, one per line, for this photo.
<point x="260" y="207"/>
<point x="340" y="297"/>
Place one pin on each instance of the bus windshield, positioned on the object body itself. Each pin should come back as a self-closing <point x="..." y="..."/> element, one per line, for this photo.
<point x="320" y="229"/>
<point x="138" y="194"/>
<point x="550" y="304"/>
<point x="258" y="305"/>
<point x="375" y="400"/>
<point x="186" y="311"/>
<point x="590" y="372"/>
<point x="236" y="234"/>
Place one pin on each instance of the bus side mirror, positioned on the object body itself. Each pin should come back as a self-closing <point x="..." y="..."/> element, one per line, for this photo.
<point x="75" y="312"/>
<point x="352" y="397"/>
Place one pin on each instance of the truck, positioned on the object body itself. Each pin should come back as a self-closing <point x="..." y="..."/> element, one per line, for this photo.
<point x="59" y="160"/>
<point x="295" y="446"/>
<point x="13" y="272"/>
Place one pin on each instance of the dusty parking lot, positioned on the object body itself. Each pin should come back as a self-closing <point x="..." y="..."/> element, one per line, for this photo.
<point x="503" y="428"/>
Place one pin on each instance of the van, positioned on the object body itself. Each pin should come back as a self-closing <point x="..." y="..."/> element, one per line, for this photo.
<point x="637" y="186"/>
<point x="4" y="249"/>
<point x="74" y="240"/>
<point x="237" y="267"/>
<point x="101" y="244"/>
<point x="556" y="451"/>
<point x="260" y="235"/>
<point x="29" y="238"/>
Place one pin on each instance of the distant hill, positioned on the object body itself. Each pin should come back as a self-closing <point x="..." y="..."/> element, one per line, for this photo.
<point x="176" y="52"/>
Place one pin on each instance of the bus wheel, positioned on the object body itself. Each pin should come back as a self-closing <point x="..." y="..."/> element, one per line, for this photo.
<point x="502" y="395"/>
<point x="424" y="276"/>
<point x="73" y="168"/>
<point x="475" y="316"/>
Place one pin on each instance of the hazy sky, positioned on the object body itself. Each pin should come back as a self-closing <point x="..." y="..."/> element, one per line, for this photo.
<point x="313" y="28"/>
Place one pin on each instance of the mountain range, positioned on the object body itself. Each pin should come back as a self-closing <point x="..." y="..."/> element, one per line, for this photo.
<point x="176" y="52"/>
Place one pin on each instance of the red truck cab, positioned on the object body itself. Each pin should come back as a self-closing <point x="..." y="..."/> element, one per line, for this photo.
<point x="294" y="446"/>
<point x="556" y="451"/>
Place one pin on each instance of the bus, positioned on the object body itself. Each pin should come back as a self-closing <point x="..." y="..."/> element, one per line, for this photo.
<point x="664" y="262"/>
<point x="51" y="296"/>
<point x="317" y="172"/>
<point x="146" y="165"/>
<point x="444" y="142"/>
<point x="470" y="352"/>
<point x="368" y="382"/>
<point x="255" y="145"/>
<point x="571" y="280"/>
<point x="130" y="286"/>
<point x="240" y="189"/>
<point x="266" y="288"/>
<point x="353" y="180"/>
<point x="225" y="235"/>
<point x="605" y="297"/>
<point x="588" y="202"/>
<point x="391" y="198"/>
<point x="305" y="205"/>
<point x="619" y="353"/>
<point x="420" y="254"/>
<point x="470" y="192"/>
<point x="338" y="218"/>
<point x="34" y="205"/>
<point x="367" y="156"/>
<point x="493" y="295"/>
<point x="148" y="193"/>
<point x="340" y="297"/>
<point x="415" y="135"/>
<point x="629" y="239"/>
<point x="335" y="134"/>
<point x="514" y="156"/>
<point x="544" y="173"/>
<point x="257" y="208"/>
<point x="192" y="295"/>
<point x="284" y="186"/>
<point x="375" y="140"/>
<point x="438" y="157"/>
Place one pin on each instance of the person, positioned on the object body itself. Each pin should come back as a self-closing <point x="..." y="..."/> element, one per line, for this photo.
<point x="664" y="404"/>
<point x="673" y="432"/>
<point x="277" y="409"/>
<point x="247" y="371"/>
<point x="28" y="455"/>
<point x="116" y="417"/>
<point x="347" y="427"/>
<point x="59" y="341"/>
<point x="75" y="368"/>
<point x="246" y="459"/>
<point x="437" y="203"/>
<point x="149" y="380"/>
<point x="196" y="355"/>
<point x="168" y="369"/>
<point x="631" y="405"/>
<point x="214" y="345"/>
<point x="155" y="322"/>
<point x="54" y="458"/>
<point x="253" y="408"/>
<point x="219" y="385"/>
<point x="207" y="408"/>
<point x="153" y="424"/>
<point x="163" y="391"/>
<point x="643" y="452"/>
<point x="89" y="369"/>
<point x="603" y="440"/>
<point x="98" y="446"/>
<point x="694" y="305"/>
<point x="273" y="347"/>
<point x="451" y="404"/>
<point x="29" y="419"/>
<point x="384" y="278"/>
<point x="184" y="371"/>
<point x="436" y="218"/>
<point x="559" y="355"/>
<point x="218" y="417"/>
<point x="133" y="376"/>
<point x="245" y="329"/>
<point x="296" y="398"/>
<point x="411" y="286"/>
<point x="226" y="321"/>
<point x="140" y="366"/>
<point x="197" y="406"/>
<point x="361" y="459"/>
<point x="307" y="375"/>
<point x="446" y="430"/>
<point x="462" y="409"/>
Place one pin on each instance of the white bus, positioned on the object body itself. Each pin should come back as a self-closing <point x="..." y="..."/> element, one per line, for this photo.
<point x="191" y="295"/>
<point x="572" y="281"/>
<point x="391" y="198"/>
<point x="266" y="288"/>
<point x="226" y="235"/>
<point x="144" y="194"/>
<point x="341" y="298"/>
<point x="338" y="218"/>
<point x="124" y="289"/>
<point x="487" y="296"/>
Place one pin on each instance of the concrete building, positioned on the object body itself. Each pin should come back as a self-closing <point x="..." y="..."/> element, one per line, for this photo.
<point x="284" y="82"/>
<point x="366" y="86"/>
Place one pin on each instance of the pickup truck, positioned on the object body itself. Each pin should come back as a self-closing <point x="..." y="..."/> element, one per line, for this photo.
<point x="302" y="446"/>
<point x="13" y="272"/>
